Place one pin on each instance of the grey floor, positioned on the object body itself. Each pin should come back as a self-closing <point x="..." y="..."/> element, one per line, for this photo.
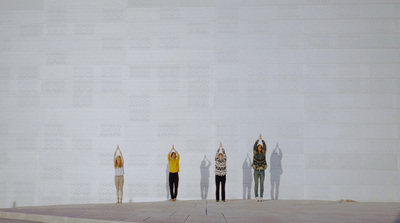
<point x="210" y="211"/>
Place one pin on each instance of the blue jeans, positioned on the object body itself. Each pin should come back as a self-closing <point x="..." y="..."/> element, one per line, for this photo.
<point x="259" y="174"/>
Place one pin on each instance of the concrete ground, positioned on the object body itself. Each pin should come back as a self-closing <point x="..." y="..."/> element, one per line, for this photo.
<point x="210" y="211"/>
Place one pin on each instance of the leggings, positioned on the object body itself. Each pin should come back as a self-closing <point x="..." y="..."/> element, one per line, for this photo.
<point x="119" y="184"/>
<point x="173" y="184"/>
<point x="220" y="180"/>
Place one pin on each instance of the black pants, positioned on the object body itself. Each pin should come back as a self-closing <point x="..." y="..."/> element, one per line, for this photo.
<point x="220" y="180"/>
<point x="173" y="184"/>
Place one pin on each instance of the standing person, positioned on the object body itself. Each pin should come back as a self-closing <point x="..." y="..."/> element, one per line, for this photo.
<point x="119" y="174"/>
<point x="220" y="172"/>
<point x="259" y="166"/>
<point x="173" y="161"/>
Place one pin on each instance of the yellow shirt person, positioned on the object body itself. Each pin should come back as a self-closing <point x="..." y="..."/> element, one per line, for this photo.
<point x="173" y="161"/>
<point x="173" y="164"/>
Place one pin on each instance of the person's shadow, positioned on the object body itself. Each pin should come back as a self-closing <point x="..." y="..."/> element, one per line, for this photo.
<point x="397" y="219"/>
<point x="247" y="178"/>
<point x="205" y="177"/>
<point x="276" y="171"/>
<point x="167" y="181"/>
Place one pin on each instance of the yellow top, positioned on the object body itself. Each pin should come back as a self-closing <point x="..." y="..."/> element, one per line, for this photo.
<point x="173" y="163"/>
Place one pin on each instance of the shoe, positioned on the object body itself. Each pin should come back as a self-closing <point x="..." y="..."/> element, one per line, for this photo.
<point x="261" y="199"/>
<point x="217" y="200"/>
<point x="223" y="200"/>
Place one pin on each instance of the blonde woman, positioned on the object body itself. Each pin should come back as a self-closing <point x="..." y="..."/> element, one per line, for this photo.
<point x="173" y="162"/>
<point x="119" y="174"/>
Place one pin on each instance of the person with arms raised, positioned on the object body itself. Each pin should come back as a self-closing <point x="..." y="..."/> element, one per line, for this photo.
<point x="173" y="161"/>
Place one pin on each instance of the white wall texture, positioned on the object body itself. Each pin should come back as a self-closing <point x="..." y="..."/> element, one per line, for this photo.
<point x="320" y="78"/>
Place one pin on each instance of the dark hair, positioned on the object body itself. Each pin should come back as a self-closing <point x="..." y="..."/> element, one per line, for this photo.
<point x="173" y="154"/>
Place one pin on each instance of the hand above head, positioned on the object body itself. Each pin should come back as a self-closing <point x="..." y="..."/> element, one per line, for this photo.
<point x="260" y="137"/>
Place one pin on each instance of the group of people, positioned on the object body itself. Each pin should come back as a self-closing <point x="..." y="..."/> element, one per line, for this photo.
<point x="259" y="165"/>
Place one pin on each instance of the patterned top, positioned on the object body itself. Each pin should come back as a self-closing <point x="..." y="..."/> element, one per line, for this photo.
<point x="220" y="164"/>
<point x="259" y="159"/>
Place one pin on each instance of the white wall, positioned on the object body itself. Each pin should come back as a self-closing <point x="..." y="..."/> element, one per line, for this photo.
<point x="318" y="77"/>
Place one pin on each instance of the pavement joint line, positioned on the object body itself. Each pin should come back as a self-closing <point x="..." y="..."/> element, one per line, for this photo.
<point x="146" y="218"/>
<point x="172" y="213"/>
<point x="224" y="217"/>
<point x="186" y="218"/>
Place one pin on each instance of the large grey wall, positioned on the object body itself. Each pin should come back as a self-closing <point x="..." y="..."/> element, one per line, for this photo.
<point x="320" y="78"/>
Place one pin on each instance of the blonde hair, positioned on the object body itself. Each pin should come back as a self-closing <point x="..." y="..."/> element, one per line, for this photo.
<point x="260" y="146"/>
<point x="116" y="163"/>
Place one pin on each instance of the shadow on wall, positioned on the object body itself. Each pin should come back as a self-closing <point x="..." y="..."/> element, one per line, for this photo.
<point x="397" y="219"/>
<point x="247" y="178"/>
<point x="167" y="181"/>
<point x="276" y="171"/>
<point x="205" y="177"/>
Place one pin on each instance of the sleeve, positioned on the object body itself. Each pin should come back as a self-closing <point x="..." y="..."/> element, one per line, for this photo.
<point x="169" y="156"/>
<point x="264" y="146"/>
<point x="223" y="152"/>
<point x="255" y="145"/>
<point x="178" y="157"/>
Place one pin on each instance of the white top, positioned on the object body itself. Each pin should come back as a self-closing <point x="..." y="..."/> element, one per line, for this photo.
<point x="119" y="171"/>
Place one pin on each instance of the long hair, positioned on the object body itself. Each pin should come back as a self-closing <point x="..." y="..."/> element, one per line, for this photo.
<point x="260" y="146"/>
<point x="116" y="163"/>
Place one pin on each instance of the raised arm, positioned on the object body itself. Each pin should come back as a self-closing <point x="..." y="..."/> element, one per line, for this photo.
<point x="177" y="154"/>
<point x="115" y="154"/>
<point x="122" y="158"/>
<point x="264" y="146"/>
<point x="217" y="154"/>
<point x="255" y="145"/>
<point x="169" y="154"/>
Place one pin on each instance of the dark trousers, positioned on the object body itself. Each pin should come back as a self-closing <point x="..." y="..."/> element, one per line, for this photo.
<point x="220" y="180"/>
<point x="173" y="184"/>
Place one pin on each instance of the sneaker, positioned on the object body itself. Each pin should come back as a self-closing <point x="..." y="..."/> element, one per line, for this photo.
<point x="261" y="199"/>
<point x="223" y="200"/>
<point x="217" y="200"/>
